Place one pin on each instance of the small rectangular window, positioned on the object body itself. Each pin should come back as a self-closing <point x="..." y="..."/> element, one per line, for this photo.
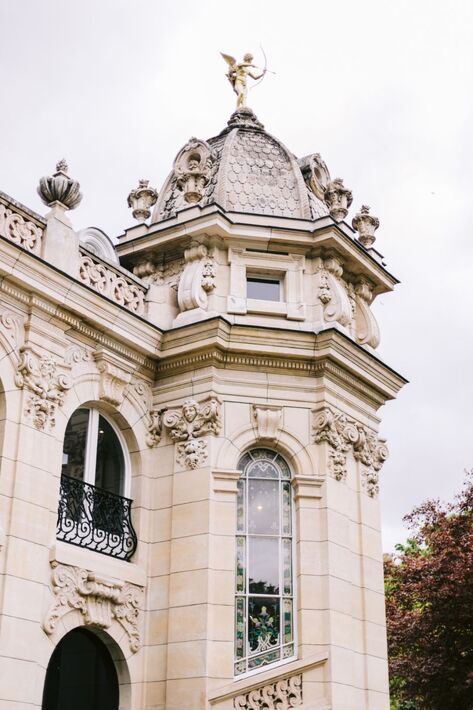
<point x="263" y="288"/>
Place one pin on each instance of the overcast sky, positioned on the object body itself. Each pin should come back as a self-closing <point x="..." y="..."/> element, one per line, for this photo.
<point x="383" y="90"/>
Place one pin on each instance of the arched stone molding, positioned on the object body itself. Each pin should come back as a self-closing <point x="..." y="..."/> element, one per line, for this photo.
<point x="298" y="455"/>
<point x="116" y="645"/>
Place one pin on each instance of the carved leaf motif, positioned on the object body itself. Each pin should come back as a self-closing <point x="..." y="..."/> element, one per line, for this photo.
<point x="280" y="695"/>
<point x="24" y="233"/>
<point x="46" y="384"/>
<point x="343" y="434"/>
<point x="110" y="284"/>
<point x="10" y="324"/>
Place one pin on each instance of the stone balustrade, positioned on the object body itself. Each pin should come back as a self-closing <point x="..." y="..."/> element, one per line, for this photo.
<point x="20" y="225"/>
<point x="112" y="281"/>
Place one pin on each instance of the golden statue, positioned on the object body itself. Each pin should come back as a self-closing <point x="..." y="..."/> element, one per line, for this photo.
<point x="238" y="74"/>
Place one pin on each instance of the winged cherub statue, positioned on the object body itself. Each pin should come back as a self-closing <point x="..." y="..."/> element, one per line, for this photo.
<point x="238" y="74"/>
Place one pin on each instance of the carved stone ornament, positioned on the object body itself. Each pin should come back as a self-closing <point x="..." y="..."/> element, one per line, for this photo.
<point x="280" y="695"/>
<point x="332" y="292"/>
<point x="343" y="434"/>
<point x="162" y="275"/>
<point x="316" y="173"/>
<point x="366" y="225"/>
<point x="197" y="279"/>
<point x="366" y="325"/>
<point x="10" y="328"/>
<point x="141" y="199"/>
<point x="46" y="383"/>
<point x="268" y="420"/>
<point x="192" y="168"/>
<point x="20" y="231"/>
<point x="100" y="601"/>
<point x="60" y="188"/>
<point x="186" y="425"/>
<point x="115" y="286"/>
<point x="338" y="199"/>
<point x="114" y="377"/>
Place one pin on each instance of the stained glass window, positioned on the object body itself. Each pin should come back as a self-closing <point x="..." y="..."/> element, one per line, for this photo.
<point x="264" y="628"/>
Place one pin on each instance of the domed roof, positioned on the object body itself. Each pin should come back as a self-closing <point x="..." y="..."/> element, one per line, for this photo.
<point x="244" y="169"/>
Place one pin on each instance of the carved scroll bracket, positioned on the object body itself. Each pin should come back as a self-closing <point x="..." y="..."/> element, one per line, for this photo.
<point x="100" y="600"/>
<point x="332" y="292"/>
<point x="196" y="282"/>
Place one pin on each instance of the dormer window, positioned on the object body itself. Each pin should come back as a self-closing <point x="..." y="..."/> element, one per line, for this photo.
<point x="263" y="288"/>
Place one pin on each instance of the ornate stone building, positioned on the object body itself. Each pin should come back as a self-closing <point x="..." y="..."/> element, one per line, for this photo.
<point x="190" y="465"/>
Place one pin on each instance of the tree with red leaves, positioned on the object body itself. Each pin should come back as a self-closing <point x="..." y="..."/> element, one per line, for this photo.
<point x="429" y="607"/>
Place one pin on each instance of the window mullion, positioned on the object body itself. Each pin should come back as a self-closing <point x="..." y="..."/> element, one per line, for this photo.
<point x="91" y="447"/>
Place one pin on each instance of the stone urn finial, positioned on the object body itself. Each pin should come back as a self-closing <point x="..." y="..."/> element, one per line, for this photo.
<point x="366" y="225"/>
<point x="60" y="188"/>
<point x="338" y="199"/>
<point x="141" y="199"/>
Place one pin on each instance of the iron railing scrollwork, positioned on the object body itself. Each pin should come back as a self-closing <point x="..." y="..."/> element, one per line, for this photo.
<point x="96" y="519"/>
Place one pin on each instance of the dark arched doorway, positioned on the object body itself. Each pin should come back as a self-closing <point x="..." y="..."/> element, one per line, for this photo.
<point x="81" y="675"/>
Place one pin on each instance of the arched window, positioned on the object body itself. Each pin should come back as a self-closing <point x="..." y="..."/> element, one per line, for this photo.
<point x="264" y="570"/>
<point x="93" y="510"/>
<point x="80" y="675"/>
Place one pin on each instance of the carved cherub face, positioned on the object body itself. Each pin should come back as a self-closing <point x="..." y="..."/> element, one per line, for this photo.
<point x="189" y="410"/>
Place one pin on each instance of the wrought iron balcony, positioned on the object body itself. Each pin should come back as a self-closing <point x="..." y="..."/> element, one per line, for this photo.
<point x="96" y="519"/>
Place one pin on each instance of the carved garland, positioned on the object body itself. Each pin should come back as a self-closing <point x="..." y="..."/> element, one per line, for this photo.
<point x="281" y="695"/>
<point x="99" y="600"/>
<point x="46" y="384"/>
<point x="343" y="434"/>
<point x="186" y="425"/>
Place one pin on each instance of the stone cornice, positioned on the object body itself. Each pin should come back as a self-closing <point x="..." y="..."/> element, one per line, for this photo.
<point x="329" y="354"/>
<point x="264" y="233"/>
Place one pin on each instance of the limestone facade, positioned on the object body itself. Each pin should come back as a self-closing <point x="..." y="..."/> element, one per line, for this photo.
<point x="192" y="370"/>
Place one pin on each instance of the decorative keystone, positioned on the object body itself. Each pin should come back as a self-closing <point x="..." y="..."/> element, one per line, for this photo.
<point x="366" y="225"/>
<point x="60" y="188"/>
<point x="338" y="199"/>
<point x="141" y="199"/>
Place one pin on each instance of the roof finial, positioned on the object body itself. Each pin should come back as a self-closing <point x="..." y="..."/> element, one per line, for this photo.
<point x="60" y="188"/>
<point x="238" y="73"/>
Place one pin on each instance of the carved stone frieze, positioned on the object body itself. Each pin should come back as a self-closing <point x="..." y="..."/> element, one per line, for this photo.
<point x="342" y="435"/>
<point x="17" y="229"/>
<point x="100" y="601"/>
<point x="268" y="419"/>
<point x="280" y="695"/>
<point x="75" y="355"/>
<point x="185" y="426"/>
<point x="112" y="284"/>
<point x="338" y="199"/>
<point x="193" y="168"/>
<point x="197" y="279"/>
<point x="46" y="384"/>
<point x="332" y="291"/>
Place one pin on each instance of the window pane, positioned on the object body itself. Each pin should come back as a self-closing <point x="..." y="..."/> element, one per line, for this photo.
<point x="262" y="469"/>
<point x="264" y="565"/>
<point x="109" y="468"/>
<point x="263" y="507"/>
<point x="75" y="439"/>
<point x="264" y="620"/>
<point x="241" y="565"/>
<point x="263" y="289"/>
<point x="241" y="506"/>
